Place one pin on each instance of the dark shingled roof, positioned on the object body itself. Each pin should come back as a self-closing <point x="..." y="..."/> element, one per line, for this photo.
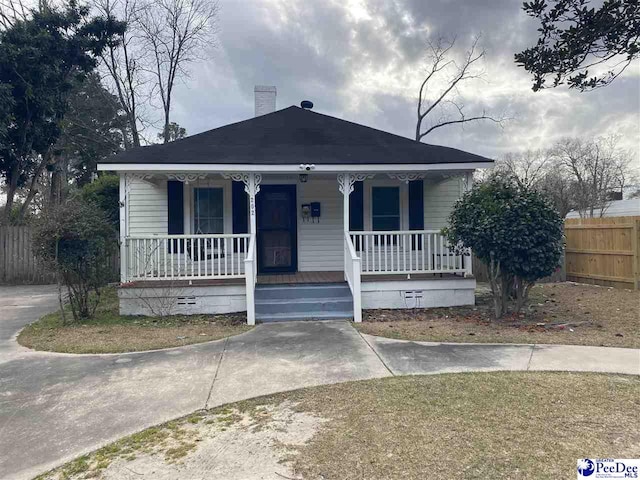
<point x="293" y="136"/>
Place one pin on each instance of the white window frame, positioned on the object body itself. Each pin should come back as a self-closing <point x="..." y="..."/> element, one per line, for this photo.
<point x="368" y="201"/>
<point x="189" y="214"/>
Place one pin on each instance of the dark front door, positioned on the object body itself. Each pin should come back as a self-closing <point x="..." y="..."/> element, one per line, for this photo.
<point x="276" y="218"/>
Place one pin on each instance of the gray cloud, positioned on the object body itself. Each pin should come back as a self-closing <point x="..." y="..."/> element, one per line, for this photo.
<point x="361" y="60"/>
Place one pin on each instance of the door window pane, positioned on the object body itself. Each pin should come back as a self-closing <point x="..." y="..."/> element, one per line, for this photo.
<point x="208" y="210"/>
<point x="385" y="208"/>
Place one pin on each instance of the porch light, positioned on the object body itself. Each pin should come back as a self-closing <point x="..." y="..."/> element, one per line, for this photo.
<point x="303" y="177"/>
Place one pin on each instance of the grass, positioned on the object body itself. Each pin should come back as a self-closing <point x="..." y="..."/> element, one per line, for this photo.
<point x="473" y="426"/>
<point x="561" y="313"/>
<point x="109" y="332"/>
<point x="172" y="440"/>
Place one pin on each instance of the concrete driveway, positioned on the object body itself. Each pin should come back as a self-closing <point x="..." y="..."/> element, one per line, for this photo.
<point x="54" y="407"/>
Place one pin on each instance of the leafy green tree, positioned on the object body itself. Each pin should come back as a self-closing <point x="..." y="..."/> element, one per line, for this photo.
<point x="174" y="132"/>
<point x="104" y="193"/>
<point x="514" y="230"/>
<point x="41" y="58"/>
<point x="92" y="128"/>
<point x="76" y="240"/>
<point x="576" y="38"/>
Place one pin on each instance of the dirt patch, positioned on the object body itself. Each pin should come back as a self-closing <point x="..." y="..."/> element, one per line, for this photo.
<point x="109" y="332"/>
<point x="227" y="443"/>
<point x="560" y="313"/>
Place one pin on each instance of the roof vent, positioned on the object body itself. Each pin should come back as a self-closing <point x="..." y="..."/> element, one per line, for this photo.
<point x="306" y="104"/>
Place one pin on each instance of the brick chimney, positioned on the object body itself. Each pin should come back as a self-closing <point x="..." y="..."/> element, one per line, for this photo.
<point x="265" y="96"/>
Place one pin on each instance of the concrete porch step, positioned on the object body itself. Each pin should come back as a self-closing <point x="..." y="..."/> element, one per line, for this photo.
<point x="291" y="317"/>
<point x="322" y="301"/>
<point x="303" y="305"/>
<point x="302" y="290"/>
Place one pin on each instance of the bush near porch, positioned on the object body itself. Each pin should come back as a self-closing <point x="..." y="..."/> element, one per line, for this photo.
<point x="109" y="332"/>
<point x="560" y="313"/>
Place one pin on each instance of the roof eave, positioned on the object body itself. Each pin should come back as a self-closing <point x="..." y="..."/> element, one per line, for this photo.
<point x="284" y="168"/>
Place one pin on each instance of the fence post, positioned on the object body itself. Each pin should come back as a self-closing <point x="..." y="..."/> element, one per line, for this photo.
<point x="3" y="247"/>
<point x="635" y="244"/>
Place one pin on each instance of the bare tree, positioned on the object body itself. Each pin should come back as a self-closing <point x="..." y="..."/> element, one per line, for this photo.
<point x="123" y="62"/>
<point x="559" y="189"/>
<point x="527" y="168"/>
<point x="12" y="11"/>
<point x="443" y="69"/>
<point x="176" y="32"/>
<point x="597" y="168"/>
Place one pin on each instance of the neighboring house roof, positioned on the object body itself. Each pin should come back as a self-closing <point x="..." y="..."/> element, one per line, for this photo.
<point x="616" y="208"/>
<point x="293" y="136"/>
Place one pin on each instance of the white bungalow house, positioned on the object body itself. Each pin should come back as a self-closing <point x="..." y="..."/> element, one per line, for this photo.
<point x="291" y="214"/>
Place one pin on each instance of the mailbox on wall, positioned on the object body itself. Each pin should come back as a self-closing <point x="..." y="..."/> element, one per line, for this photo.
<point x="315" y="209"/>
<point x="311" y="211"/>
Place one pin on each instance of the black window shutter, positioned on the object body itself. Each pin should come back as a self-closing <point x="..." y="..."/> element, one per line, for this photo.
<point x="175" y="211"/>
<point x="239" y="208"/>
<point x="356" y="210"/>
<point x="175" y="199"/>
<point x="239" y="212"/>
<point x="416" y="205"/>
<point x="416" y="209"/>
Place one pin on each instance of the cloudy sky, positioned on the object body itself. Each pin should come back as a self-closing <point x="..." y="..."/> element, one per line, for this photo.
<point x="363" y="61"/>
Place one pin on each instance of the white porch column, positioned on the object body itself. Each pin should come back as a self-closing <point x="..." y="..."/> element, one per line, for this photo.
<point x="467" y="183"/>
<point x="345" y="185"/>
<point x="251" y="187"/>
<point x="124" y="224"/>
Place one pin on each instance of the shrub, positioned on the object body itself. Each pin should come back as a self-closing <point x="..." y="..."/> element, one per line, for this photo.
<point x="76" y="240"/>
<point x="512" y="229"/>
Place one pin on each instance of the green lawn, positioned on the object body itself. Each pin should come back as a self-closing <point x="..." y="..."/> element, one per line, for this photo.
<point x="109" y="332"/>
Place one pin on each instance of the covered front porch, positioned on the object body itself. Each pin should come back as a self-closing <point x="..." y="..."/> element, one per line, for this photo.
<point x="377" y="231"/>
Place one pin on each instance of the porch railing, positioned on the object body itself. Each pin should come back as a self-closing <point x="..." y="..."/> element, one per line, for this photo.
<point x="407" y="252"/>
<point x="173" y="257"/>
<point x="352" y="270"/>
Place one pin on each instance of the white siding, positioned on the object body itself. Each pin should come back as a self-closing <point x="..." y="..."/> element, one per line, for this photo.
<point x="320" y="245"/>
<point x="147" y="207"/>
<point x="439" y="197"/>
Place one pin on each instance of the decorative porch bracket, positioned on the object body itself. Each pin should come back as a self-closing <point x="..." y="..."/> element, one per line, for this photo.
<point x="406" y="177"/>
<point x="186" y="177"/>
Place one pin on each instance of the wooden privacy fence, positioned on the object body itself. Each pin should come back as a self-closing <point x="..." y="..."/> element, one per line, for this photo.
<point x="481" y="274"/>
<point x="603" y="251"/>
<point x="19" y="266"/>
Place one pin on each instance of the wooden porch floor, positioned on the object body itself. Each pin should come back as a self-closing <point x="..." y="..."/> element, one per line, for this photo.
<point x="338" y="277"/>
<point x="301" y="277"/>
<point x="294" y="278"/>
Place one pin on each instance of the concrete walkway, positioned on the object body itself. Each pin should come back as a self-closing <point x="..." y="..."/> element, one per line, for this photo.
<point x="54" y="407"/>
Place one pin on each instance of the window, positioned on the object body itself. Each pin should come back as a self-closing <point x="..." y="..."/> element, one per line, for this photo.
<point x="385" y="208"/>
<point x="208" y="210"/>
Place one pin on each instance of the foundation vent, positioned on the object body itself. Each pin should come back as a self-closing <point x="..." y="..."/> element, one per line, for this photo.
<point x="187" y="301"/>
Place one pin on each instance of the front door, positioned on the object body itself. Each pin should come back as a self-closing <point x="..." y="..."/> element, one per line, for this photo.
<point x="276" y="222"/>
